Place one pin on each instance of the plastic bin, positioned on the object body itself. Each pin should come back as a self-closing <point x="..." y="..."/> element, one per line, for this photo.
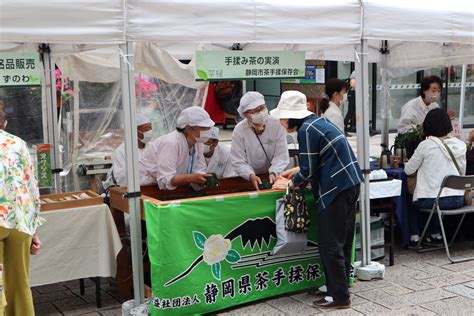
<point x="377" y="239"/>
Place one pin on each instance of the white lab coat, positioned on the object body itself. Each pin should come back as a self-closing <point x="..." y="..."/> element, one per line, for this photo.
<point x="334" y="114"/>
<point x="220" y="163"/>
<point x="168" y="156"/>
<point x="413" y="114"/>
<point x="119" y="169"/>
<point x="247" y="154"/>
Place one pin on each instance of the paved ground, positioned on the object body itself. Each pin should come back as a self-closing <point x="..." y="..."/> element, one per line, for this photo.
<point x="418" y="284"/>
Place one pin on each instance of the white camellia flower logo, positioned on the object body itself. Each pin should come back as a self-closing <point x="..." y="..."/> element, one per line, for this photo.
<point x="216" y="249"/>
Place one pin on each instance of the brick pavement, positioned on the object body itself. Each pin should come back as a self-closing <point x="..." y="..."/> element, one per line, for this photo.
<point x="418" y="284"/>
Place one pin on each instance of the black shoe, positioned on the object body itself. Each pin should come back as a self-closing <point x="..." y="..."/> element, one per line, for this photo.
<point x="430" y="240"/>
<point x="317" y="293"/>
<point x="323" y="304"/>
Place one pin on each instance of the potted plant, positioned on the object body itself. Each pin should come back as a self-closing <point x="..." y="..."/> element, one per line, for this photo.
<point x="410" y="140"/>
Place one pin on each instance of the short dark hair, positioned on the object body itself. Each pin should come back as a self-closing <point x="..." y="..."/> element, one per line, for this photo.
<point x="437" y="123"/>
<point x="426" y="83"/>
<point x="292" y="123"/>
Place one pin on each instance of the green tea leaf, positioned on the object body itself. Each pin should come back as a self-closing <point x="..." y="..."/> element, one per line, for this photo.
<point x="199" y="239"/>
<point x="232" y="256"/>
<point x="202" y="74"/>
<point x="216" y="270"/>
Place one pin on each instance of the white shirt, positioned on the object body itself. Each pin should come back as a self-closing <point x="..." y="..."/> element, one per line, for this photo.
<point x="413" y="114"/>
<point x="247" y="154"/>
<point x="119" y="169"/>
<point x="433" y="163"/>
<point x="334" y="114"/>
<point x="168" y="156"/>
<point x="220" y="163"/>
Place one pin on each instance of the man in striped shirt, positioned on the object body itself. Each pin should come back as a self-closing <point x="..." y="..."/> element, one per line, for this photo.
<point x="328" y="162"/>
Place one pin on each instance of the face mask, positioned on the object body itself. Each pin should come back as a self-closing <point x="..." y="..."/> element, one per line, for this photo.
<point x="206" y="148"/>
<point x="147" y="136"/>
<point x="432" y="97"/>
<point x="203" y="136"/>
<point x="259" y="118"/>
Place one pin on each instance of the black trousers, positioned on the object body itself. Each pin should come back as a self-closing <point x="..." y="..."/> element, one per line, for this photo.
<point x="336" y="232"/>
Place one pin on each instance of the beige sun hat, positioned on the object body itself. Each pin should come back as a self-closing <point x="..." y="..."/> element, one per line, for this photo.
<point x="293" y="105"/>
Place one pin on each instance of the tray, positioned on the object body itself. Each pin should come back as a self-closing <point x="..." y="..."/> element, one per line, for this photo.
<point x="94" y="199"/>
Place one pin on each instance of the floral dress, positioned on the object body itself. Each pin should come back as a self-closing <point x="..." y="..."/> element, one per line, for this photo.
<point x="19" y="193"/>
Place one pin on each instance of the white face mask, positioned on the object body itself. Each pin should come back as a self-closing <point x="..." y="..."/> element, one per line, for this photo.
<point x="259" y="118"/>
<point x="204" y="136"/>
<point x="206" y="148"/>
<point x="147" y="136"/>
<point x="432" y="97"/>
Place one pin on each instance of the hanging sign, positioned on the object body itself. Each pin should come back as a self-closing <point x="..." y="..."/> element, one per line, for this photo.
<point x="43" y="153"/>
<point x="17" y="69"/>
<point x="238" y="65"/>
<point x="309" y="76"/>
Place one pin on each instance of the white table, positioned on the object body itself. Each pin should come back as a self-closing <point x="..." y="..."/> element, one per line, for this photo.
<point x="77" y="243"/>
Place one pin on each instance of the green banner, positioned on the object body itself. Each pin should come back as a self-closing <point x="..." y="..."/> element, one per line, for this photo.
<point x="212" y="254"/>
<point x="43" y="158"/>
<point x="19" y="69"/>
<point x="238" y="65"/>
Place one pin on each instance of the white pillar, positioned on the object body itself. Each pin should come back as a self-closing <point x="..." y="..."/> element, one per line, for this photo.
<point x="131" y="158"/>
<point x="462" y="97"/>
<point x="49" y="75"/>
<point x="362" y="125"/>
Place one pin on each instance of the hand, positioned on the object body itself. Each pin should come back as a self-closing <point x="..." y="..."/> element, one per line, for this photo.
<point x="291" y="185"/>
<point x="451" y="114"/>
<point x="199" y="178"/>
<point x="471" y="136"/>
<point x="256" y="181"/>
<point x="35" y="245"/>
<point x="272" y="177"/>
<point x="290" y="173"/>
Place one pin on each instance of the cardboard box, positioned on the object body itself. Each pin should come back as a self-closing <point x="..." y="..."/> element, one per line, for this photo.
<point x="93" y="199"/>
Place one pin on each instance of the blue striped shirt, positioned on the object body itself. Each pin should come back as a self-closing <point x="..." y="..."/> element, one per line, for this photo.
<point x="327" y="160"/>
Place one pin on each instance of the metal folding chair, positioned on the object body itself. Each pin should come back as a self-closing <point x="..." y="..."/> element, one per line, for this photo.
<point x="456" y="183"/>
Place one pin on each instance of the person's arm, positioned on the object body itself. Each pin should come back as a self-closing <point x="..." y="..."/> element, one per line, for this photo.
<point x="416" y="160"/>
<point x="119" y="167"/>
<point x="406" y="120"/>
<point x="281" y="156"/>
<point x="308" y="157"/>
<point x="238" y="156"/>
<point x="184" y="179"/>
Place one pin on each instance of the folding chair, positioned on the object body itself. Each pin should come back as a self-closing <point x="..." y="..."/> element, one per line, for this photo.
<point x="456" y="183"/>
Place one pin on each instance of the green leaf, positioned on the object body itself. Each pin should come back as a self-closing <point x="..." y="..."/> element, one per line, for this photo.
<point x="232" y="256"/>
<point x="202" y="74"/>
<point x="216" y="270"/>
<point x="199" y="239"/>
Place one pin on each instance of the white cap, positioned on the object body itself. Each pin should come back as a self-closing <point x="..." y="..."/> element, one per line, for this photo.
<point x="194" y="116"/>
<point x="214" y="133"/>
<point x="353" y="75"/>
<point x="250" y="101"/>
<point x="143" y="118"/>
<point x="292" y="105"/>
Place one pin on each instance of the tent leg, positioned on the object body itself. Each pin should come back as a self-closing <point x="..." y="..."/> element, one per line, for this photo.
<point x="462" y="97"/>
<point x="366" y="270"/>
<point x="131" y="155"/>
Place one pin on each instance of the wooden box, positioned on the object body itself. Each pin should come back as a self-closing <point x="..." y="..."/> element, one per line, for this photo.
<point x="93" y="199"/>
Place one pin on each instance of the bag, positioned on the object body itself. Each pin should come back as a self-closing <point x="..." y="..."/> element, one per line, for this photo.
<point x="287" y="242"/>
<point x="467" y="193"/>
<point x="411" y="183"/>
<point x="296" y="212"/>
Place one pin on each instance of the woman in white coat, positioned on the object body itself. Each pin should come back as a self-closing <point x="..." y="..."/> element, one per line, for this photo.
<point x="258" y="142"/>
<point x="335" y="94"/>
<point x="432" y="161"/>
<point x="176" y="159"/>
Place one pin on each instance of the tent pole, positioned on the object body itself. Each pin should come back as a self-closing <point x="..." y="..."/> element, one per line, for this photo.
<point x="131" y="158"/>
<point x="384" y="94"/>
<point x="52" y="112"/>
<point x="362" y="126"/>
<point x="462" y="97"/>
